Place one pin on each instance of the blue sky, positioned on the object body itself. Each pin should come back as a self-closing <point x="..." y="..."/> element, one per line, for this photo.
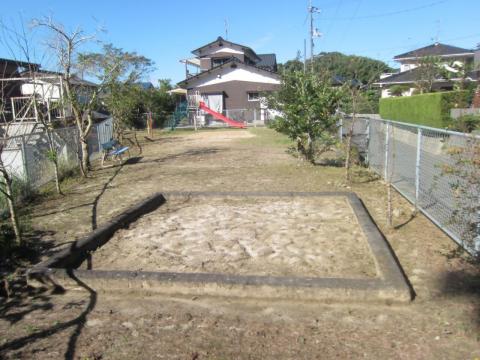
<point x="167" y="31"/>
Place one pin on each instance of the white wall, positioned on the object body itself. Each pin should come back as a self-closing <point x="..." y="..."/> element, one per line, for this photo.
<point x="44" y="89"/>
<point x="13" y="161"/>
<point x="406" y="67"/>
<point x="222" y="49"/>
<point x="236" y="74"/>
<point x="386" y="92"/>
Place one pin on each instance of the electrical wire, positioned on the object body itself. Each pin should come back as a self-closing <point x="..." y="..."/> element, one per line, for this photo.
<point x="404" y="11"/>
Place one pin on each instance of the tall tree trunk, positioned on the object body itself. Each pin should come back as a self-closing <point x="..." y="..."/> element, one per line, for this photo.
<point x="389" y="205"/>
<point x="310" y="149"/>
<point x="85" y="163"/>
<point x="349" y="151"/>
<point x="54" y="157"/>
<point x="57" y="177"/>
<point x="349" y="138"/>
<point x="12" y="208"/>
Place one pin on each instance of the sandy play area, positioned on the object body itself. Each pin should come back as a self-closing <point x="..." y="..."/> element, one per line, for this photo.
<point x="278" y="236"/>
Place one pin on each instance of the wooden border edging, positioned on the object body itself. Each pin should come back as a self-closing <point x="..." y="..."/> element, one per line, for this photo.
<point x="390" y="285"/>
<point x="77" y="252"/>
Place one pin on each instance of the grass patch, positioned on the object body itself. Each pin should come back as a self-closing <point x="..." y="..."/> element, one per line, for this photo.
<point x="267" y="137"/>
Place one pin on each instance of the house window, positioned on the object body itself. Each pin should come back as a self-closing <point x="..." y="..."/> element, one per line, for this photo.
<point x="219" y="61"/>
<point x="253" y="96"/>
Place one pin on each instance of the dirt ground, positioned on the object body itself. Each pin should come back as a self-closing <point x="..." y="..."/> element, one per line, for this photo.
<point x="443" y="322"/>
<point x="312" y="237"/>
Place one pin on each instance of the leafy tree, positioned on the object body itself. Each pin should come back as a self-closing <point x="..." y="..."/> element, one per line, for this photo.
<point x="159" y="101"/>
<point x="350" y="67"/>
<point x="290" y="66"/>
<point x="428" y="71"/>
<point x="119" y="70"/>
<point x="308" y="104"/>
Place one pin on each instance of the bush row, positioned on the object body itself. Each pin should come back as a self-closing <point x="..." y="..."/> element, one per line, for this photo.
<point x="431" y="109"/>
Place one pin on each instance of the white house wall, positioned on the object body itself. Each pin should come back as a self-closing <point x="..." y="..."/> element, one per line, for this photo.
<point x="223" y="49"/>
<point x="43" y="89"/>
<point x="237" y="74"/>
<point x="13" y="161"/>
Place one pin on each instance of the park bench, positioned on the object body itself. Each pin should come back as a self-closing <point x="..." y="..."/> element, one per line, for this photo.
<point x="113" y="150"/>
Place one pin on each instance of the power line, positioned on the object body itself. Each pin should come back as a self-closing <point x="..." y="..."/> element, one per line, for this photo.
<point x="347" y="27"/>
<point x="390" y="13"/>
<point x="420" y="44"/>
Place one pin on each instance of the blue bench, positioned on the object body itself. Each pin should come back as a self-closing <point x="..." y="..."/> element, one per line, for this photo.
<point x="113" y="150"/>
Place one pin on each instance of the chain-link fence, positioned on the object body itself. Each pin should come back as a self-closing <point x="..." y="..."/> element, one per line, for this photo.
<point x="250" y="117"/>
<point x="28" y="157"/>
<point x="436" y="170"/>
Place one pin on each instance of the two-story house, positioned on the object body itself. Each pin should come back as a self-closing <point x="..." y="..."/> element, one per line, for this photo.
<point x="451" y="58"/>
<point x="231" y="76"/>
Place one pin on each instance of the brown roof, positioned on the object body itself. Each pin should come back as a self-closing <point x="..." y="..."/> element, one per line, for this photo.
<point x="222" y="40"/>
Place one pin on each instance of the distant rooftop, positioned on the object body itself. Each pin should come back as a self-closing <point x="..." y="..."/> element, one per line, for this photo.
<point x="436" y="49"/>
<point x="267" y="61"/>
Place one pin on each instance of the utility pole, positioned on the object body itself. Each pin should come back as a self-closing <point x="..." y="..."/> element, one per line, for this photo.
<point x="314" y="33"/>
<point x="304" y="56"/>
<point x="226" y="29"/>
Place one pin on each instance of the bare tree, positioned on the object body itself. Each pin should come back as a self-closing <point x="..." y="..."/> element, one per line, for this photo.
<point x="6" y="181"/>
<point x="18" y="42"/>
<point x="66" y="45"/>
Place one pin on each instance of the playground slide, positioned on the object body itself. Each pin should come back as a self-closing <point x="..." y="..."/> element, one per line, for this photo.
<point x="221" y="117"/>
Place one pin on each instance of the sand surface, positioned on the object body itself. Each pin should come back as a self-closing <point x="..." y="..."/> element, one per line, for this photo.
<point x="237" y="235"/>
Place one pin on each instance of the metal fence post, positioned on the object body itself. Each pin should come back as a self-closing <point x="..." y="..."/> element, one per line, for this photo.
<point x="387" y="139"/>
<point x="417" y="166"/>
<point x="367" y="140"/>
<point x="23" y="149"/>
<point x="99" y="138"/>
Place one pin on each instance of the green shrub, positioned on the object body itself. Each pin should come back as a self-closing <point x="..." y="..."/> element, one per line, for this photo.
<point x="21" y="191"/>
<point x="7" y="238"/>
<point x="398" y="90"/>
<point x="466" y="123"/>
<point x="431" y="109"/>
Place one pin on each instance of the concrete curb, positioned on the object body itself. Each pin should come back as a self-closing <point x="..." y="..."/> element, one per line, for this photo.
<point x="390" y="286"/>
<point x="78" y="251"/>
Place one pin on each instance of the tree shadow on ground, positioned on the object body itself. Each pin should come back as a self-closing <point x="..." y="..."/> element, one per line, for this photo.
<point x="15" y="258"/>
<point x="24" y="303"/>
<point x="100" y="194"/>
<point x="61" y="210"/>
<point x="183" y="155"/>
<point x="464" y="282"/>
<point x="164" y="140"/>
<point x="406" y="222"/>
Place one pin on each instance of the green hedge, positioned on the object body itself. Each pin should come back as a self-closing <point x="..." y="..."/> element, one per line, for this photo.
<point x="431" y="109"/>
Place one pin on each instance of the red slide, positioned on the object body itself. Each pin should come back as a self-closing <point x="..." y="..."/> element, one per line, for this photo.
<point x="221" y="117"/>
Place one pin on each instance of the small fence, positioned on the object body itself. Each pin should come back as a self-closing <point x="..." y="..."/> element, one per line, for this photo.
<point x="416" y="160"/>
<point x="26" y="157"/>
<point x="252" y="117"/>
